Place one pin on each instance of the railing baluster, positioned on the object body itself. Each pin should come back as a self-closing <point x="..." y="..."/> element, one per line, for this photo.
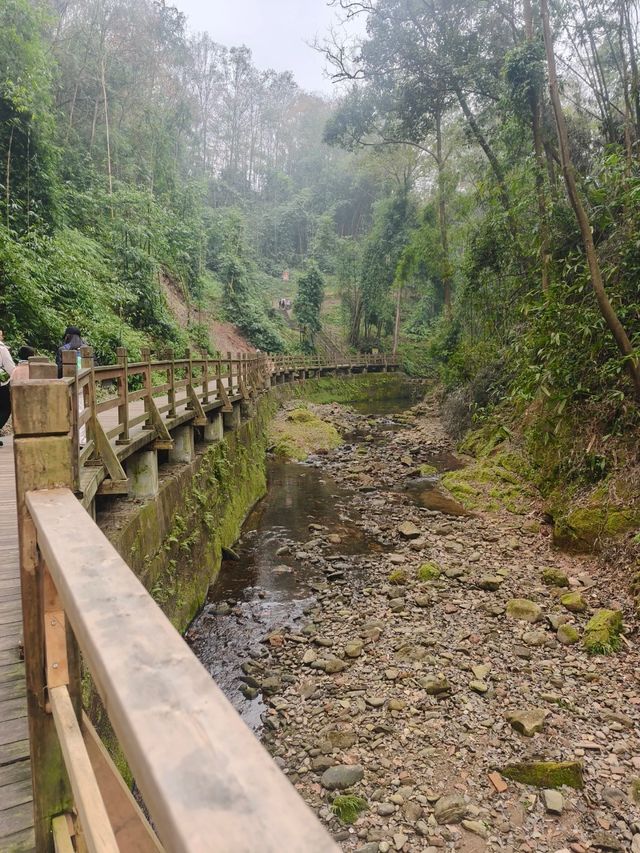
<point x="171" y="381"/>
<point x="123" y="388"/>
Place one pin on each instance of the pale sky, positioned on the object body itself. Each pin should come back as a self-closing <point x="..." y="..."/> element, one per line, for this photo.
<point x="277" y="31"/>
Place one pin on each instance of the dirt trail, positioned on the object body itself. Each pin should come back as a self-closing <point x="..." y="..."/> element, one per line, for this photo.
<point x="398" y="689"/>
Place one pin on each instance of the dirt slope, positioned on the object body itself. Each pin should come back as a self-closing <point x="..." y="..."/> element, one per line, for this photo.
<point x="224" y="336"/>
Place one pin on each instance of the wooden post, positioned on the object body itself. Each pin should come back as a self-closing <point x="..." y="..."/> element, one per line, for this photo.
<point x="43" y="415"/>
<point x="171" y="378"/>
<point x="145" y="355"/>
<point x="70" y="371"/>
<point x="123" y="389"/>
<point x="42" y="368"/>
<point x="230" y="385"/>
<point x="89" y="394"/>
<point x="205" y="378"/>
<point x="189" y="378"/>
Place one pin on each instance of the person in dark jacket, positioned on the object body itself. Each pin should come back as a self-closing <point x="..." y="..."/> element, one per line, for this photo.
<point x="72" y="341"/>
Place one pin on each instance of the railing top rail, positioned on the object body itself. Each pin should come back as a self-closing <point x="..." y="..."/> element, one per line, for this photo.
<point x="204" y="777"/>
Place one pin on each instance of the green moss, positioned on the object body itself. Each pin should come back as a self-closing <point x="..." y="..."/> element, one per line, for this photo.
<point x="602" y="633"/>
<point x="546" y="774"/>
<point x="300" y="415"/>
<point x="348" y="808"/>
<point x="428" y="470"/>
<point x="301" y="433"/>
<point x="574" y="602"/>
<point x="359" y="388"/>
<point x="554" y="577"/>
<point x="568" y="635"/>
<point x="429" y="572"/>
<point x="582" y="527"/>
<point x="634" y="791"/>
<point x="486" y="485"/>
<point x="398" y="577"/>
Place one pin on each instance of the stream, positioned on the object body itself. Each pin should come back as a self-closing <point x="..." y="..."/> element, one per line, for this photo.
<point x="273" y="580"/>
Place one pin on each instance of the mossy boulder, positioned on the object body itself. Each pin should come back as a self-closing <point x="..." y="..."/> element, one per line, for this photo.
<point x="429" y="572"/>
<point x="568" y="635"/>
<point x="574" y="602"/>
<point x="634" y="791"/>
<point x="488" y="485"/>
<point x="398" y="577"/>
<point x="546" y="774"/>
<point x="524" y="610"/>
<point x="581" y="528"/>
<point x="300" y="433"/>
<point x="602" y="633"/>
<point x="554" y="577"/>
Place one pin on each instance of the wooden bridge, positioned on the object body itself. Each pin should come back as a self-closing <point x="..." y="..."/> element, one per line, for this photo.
<point x="206" y="781"/>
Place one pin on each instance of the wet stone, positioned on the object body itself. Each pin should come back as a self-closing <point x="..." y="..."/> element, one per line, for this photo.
<point x="342" y="776"/>
<point x="450" y="809"/>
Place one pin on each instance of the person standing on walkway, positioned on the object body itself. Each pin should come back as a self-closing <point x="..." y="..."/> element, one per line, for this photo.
<point x="72" y="341"/>
<point x="6" y="369"/>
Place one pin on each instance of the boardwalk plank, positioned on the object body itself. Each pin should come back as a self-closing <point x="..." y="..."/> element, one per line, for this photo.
<point x="16" y="806"/>
<point x="11" y="709"/>
<point x="14" y="820"/>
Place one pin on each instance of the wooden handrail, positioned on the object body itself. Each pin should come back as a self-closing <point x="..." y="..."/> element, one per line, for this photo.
<point x="204" y="777"/>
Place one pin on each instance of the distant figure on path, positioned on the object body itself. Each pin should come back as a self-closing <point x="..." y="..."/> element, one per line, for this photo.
<point x="6" y="370"/>
<point x="22" y="367"/>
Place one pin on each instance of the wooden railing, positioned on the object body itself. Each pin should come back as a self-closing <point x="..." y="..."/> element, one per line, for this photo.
<point x="206" y="781"/>
<point x="119" y="408"/>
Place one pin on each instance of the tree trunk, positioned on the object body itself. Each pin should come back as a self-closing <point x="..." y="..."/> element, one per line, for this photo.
<point x="7" y="181"/>
<point x="106" y="124"/>
<point x="442" y="218"/>
<point x="534" y="103"/>
<point x="606" y="309"/>
<point x="396" y="326"/>
<point x="482" y="142"/>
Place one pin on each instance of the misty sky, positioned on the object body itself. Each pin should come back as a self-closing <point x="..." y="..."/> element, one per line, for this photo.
<point x="277" y="31"/>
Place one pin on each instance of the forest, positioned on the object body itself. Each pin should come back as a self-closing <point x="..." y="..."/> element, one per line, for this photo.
<point x="468" y="195"/>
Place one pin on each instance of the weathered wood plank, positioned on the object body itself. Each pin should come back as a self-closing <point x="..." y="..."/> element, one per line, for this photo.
<point x="14" y="820"/>
<point x="96" y="827"/>
<point x="16" y="807"/>
<point x="13" y="730"/>
<point x="11" y="709"/>
<point x="20" y="842"/>
<point x="20" y="771"/>
<point x="10" y="752"/>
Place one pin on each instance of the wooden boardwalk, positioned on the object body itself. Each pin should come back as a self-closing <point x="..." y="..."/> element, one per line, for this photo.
<point x="16" y="810"/>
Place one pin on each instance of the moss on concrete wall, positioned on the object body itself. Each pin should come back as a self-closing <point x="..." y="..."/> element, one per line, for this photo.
<point x="174" y="542"/>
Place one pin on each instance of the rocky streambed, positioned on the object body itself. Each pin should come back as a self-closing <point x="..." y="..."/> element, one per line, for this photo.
<point x="420" y="672"/>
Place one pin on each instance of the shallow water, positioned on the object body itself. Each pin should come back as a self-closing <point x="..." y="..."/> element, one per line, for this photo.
<point x="264" y="588"/>
<point x="271" y="584"/>
<point x="425" y="491"/>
